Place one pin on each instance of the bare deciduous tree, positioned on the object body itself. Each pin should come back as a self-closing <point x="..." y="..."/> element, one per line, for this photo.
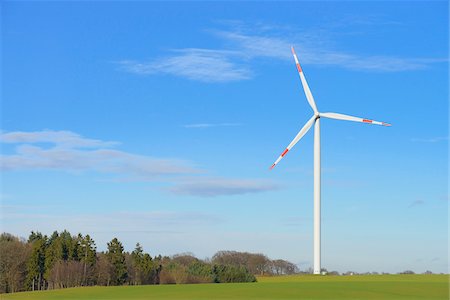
<point x="65" y="274"/>
<point x="104" y="270"/>
<point x="13" y="258"/>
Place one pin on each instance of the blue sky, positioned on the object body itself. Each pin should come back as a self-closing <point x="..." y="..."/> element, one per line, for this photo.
<point x="157" y="122"/>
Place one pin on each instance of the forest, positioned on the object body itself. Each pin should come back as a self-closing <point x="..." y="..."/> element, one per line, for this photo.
<point x="62" y="260"/>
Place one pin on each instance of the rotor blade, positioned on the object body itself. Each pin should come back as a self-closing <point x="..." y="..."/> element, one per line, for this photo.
<point x="351" y="118"/>
<point x="309" y="96"/>
<point x="299" y="135"/>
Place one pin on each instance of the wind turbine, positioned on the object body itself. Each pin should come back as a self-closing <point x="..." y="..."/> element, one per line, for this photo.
<point x="315" y="119"/>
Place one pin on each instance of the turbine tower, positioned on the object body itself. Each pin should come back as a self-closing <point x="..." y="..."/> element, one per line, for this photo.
<point x="315" y="119"/>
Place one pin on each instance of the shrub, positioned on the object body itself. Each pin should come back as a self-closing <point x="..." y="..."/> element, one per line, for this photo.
<point x="228" y="273"/>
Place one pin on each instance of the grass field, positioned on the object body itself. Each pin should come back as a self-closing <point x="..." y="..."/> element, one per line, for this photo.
<point x="284" y="287"/>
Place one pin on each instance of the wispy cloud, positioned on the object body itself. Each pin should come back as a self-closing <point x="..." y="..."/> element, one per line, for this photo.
<point x="211" y="187"/>
<point x="253" y="46"/>
<point x="195" y="64"/>
<point x="372" y="63"/>
<point x="430" y="140"/>
<point x="209" y="125"/>
<point x="30" y="157"/>
<point x="66" y="139"/>
<point x="70" y="152"/>
<point x="244" y="44"/>
<point x="314" y="52"/>
<point x="67" y="153"/>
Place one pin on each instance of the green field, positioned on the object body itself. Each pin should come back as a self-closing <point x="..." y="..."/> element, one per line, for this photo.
<point x="284" y="287"/>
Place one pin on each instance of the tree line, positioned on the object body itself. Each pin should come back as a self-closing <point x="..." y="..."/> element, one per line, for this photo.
<point x="62" y="260"/>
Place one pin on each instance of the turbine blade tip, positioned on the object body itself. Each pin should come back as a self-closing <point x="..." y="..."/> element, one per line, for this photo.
<point x="273" y="166"/>
<point x="386" y="124"/>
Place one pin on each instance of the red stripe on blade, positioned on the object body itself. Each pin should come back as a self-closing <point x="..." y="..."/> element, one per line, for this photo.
<point x="299" y="68"/>
<point x="367" y="121"/>
<point x="273" y="166"/>
<point x="284" y="152"/>
<point x="386" y="124"/>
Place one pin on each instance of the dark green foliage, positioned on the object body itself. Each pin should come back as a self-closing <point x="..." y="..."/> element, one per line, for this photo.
<point x="36" y="262"/>
<point x="149" y="270"/>
<point x="256" y="263"/>
<point x="35" y="236"/>
<point x="87" y="255"/>
<point x="200" y="268"/>
<point x="201" y="272"/>
<point x="145" y="269"/>
<point x="230" y="273"/>
<point x="116" y="257"/>
<point x="63" y="247"/>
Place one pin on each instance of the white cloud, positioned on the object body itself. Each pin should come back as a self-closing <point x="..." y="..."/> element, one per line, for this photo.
<point x="212" y="187"/>
<point x="312" y="51"/>
<point x="70" y="152"/>
<point x="195" y="64"/>
<point x="61" y="138"/>
<point x="30" y="157"/>
<point x="246" y="43"/>
<point x="252" y="46"/>
<point x="377" y="63"/>
<point x="64" y="154"/>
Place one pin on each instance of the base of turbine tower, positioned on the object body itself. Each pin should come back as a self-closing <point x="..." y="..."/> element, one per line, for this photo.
<point x="321" y="272"/>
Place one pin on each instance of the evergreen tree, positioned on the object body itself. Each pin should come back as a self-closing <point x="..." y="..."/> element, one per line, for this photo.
<point x="67" y="246"/>
<point x="137" y="253"/>
<point x="137" y="256"/>
<point x="36" y="263"/>
<point x="52" y="253"/>
<point x="148" y="269"/>
<point x="35" y="236"/>
<point x="117" y="258"/>
<point x="144" y="267"/>
<point x="86" y="250"/>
